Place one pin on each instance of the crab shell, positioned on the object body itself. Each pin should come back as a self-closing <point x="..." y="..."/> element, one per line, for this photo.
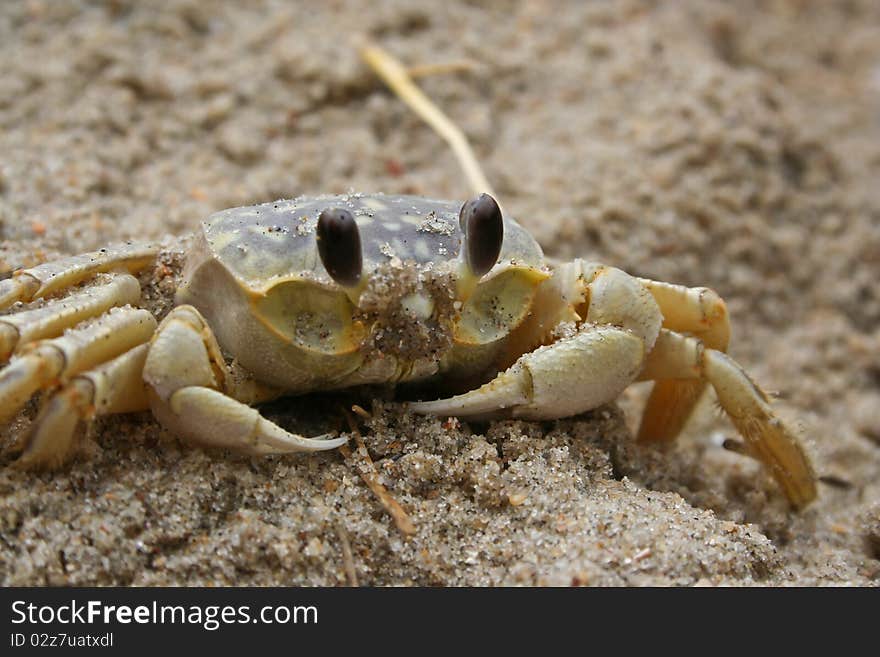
<point x="256" y="275"/>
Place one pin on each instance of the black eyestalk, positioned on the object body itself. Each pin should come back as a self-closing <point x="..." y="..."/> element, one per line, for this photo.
<point x="339" y="245"/>
<point x="483" y="227"/>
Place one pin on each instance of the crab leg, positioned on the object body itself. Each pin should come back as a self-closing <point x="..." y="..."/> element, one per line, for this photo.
<point x="51" y="320"/>
<point x="577" y="373"/>
<point x="696" y="310"/>
<point x="597" y="363"/>
<point x="699" y="312"/>
<point x="46" y="362"/>
<point x="185" y="372"/>
<point x="114" y="387"/>
<point x="49" y="277"/>
<point x="676" y="356"/>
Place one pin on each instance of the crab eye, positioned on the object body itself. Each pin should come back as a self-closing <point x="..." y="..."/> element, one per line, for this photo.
<point x="339" y="245"/>
<point x="483" y="227"/>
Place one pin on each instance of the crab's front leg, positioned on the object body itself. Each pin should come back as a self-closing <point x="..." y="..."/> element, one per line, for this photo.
<point x="189" y="392"/>
<point x="598" y="362"/>
<point x="577" y="372"/>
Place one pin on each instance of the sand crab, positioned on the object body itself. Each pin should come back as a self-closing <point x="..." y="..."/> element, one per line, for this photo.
<point x="328" y="292"/>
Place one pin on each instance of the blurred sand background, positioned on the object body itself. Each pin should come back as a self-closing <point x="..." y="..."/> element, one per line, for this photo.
<point x="735" y="145"/>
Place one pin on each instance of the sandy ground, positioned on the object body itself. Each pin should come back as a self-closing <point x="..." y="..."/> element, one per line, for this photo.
<point x="703" y="143"/>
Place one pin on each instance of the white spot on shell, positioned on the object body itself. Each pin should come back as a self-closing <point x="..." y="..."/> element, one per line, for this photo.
<point x="422" y="250"/>
<point x="374" y="204"/>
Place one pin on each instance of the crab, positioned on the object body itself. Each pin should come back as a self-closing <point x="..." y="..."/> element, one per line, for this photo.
<point x="330" y="292"/>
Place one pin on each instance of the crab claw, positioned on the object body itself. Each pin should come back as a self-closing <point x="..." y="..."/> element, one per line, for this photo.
<point x="210" y="418"/>
<point x="184" y="369"/>
<point x="598" y="363"/>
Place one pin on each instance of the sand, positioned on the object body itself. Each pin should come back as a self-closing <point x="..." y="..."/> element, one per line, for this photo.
<point x="695" y="142"/>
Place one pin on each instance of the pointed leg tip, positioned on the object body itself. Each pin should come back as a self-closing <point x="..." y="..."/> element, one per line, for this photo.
<point x="801" y="494"/>
<point x="328" y="442"/>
